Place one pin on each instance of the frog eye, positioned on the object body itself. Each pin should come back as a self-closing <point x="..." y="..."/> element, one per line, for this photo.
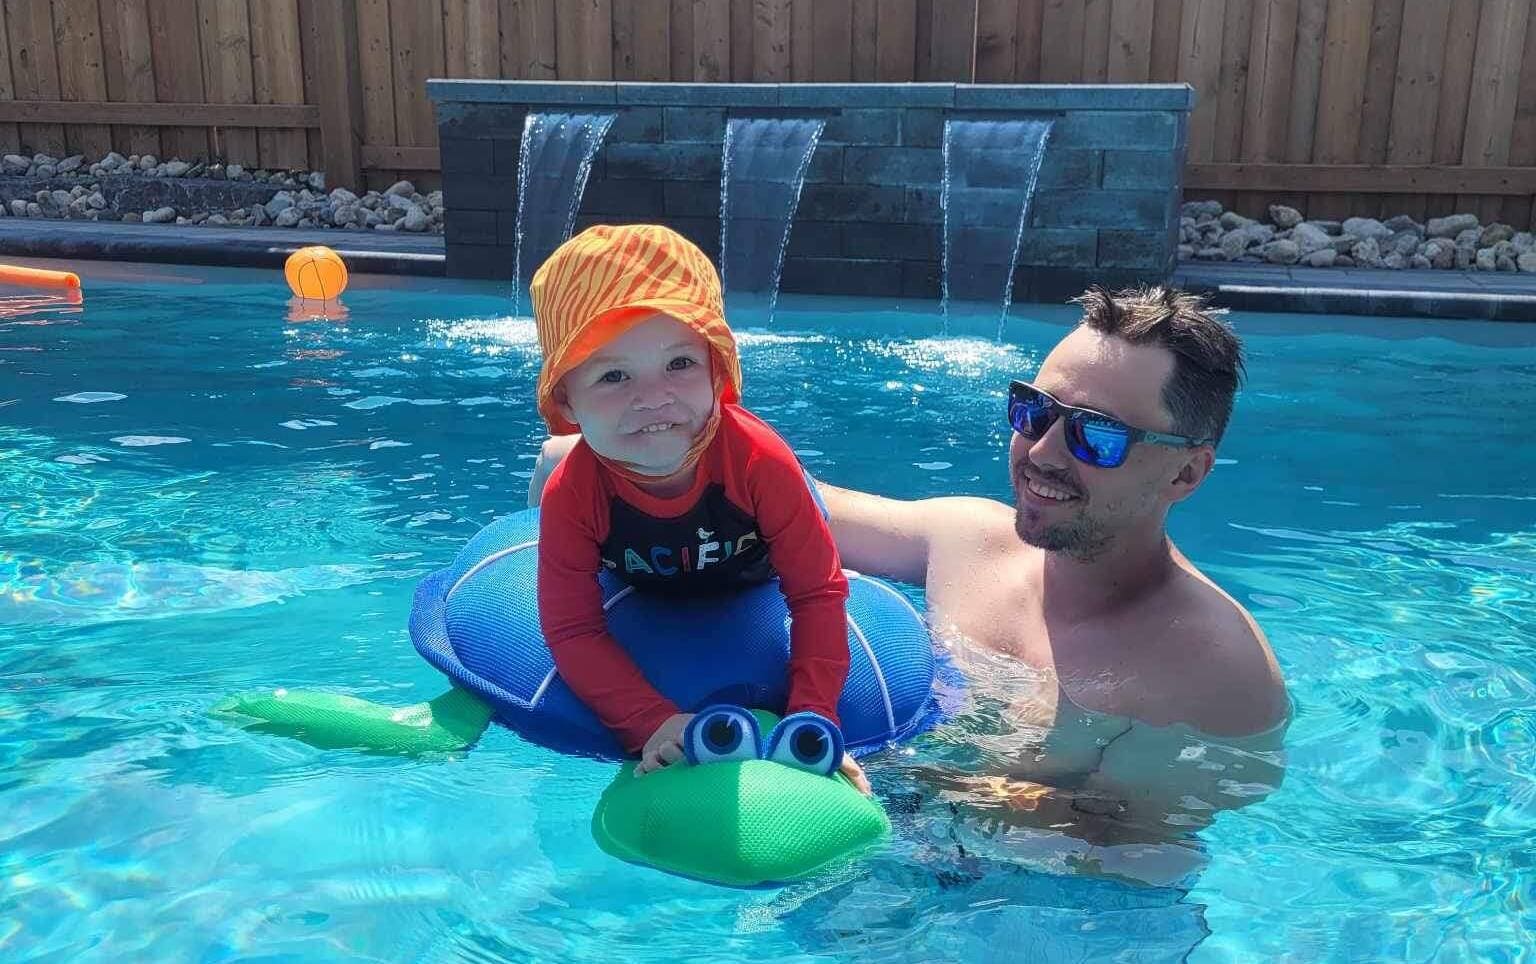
<point x="806" y="741"/>
<point x="719" y="734"/>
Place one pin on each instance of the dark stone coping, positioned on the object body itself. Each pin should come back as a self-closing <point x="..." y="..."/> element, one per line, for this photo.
<point x="136" y="192"/>
<point x="365" y="252"/>
<point x="1490" y="296"/>
<point x="1176" y="97"/>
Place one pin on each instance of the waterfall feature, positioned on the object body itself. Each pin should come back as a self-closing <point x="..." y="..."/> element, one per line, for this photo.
<point x="553" y="163"/>
<point x="763" y="168"/>
<point x="990" y="169"/>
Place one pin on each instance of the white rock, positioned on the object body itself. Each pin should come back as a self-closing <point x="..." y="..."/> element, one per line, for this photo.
<point x="1524" y="241"/>
<point x="15" y="164"/>
<point x="98" y="201"/>
<point x="415" y="220"/>
<point x="176" y="168"/>
<point x="216" y="219"/>
<point x="287" y="218"/>
<point x="1527" y="262"/>
<point x="1505" y="263"/>
<point x="113" y="160"/>
<point x="1366" y="228"/>
<point x="316" y="180"/>
<point x="1493" y="234"/>
<point x="1284" y="217"/>
<point x="385" y="227"/>
<point x="1420" y="262"/>
<point x="233" y="171"/>
<point x="399" y="202"/>
<point x="1321" y="258"/>
<point x="343" y="196"/>
<point x="34" y="210"/>
<point x="160" y="216"/>
<point x="1450" y="227"/>
<point x="44" y="170"/>
<point x="71" y="164"/>
<point x="1282" y="252"/>
<point x="1485" y="260"/>
<point x="1186" y="252"/>
<point x="1394" y="261"/>
<point x="281" y="201"/>
<point x="1309" y="237"/>
<point x="19" y="207"/>
<point x="44" y="159"/>
<point x="1403" y="222"/>
<point x="148" y="162"/>
<point x="1201" y="209"/>
<point x="1366" y="252"/>
<point x="401" y="188"/>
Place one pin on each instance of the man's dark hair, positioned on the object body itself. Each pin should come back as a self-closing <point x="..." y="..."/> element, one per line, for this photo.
<point x="1207" y="355"/>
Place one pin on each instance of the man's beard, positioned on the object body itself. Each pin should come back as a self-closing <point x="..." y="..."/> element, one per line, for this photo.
<point x="1080" y="537"/>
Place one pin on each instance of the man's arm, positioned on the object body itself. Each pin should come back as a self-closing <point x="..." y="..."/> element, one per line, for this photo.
<point x="551" y="453"/>
<point x="880" y="536"/>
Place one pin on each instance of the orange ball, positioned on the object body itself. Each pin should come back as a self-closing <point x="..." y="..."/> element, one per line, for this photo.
<point x="316" y="273"/>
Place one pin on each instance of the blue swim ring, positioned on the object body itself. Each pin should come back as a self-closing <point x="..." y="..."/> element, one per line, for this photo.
<point x="477" y="622"/>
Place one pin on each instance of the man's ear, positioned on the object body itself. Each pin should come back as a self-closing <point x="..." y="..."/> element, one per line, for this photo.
<point x="1192" y="471"/>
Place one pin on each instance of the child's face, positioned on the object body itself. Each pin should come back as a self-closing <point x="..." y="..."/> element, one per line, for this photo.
<point x="643" y="397"/>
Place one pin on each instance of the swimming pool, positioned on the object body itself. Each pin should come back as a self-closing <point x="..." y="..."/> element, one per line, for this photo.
<point x="200" y="496"/>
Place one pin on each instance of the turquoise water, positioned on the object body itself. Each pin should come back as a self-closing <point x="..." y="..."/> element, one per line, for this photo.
<point x="199" y="496"/>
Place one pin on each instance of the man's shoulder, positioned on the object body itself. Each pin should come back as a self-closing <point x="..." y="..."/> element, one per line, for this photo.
<point x="1230" y="683"/>
<point x="969" y="522"/>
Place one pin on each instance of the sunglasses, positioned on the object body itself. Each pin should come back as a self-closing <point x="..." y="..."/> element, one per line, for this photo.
<point x="1095" y="439"/>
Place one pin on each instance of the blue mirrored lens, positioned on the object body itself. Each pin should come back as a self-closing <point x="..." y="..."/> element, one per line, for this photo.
<point x="1030" y="414"/>
<point x="1103" y="443"/>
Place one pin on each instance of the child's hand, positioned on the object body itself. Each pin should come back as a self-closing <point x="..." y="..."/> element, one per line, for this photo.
<point x="665" y="747"/>
<point x="850" y="768"/>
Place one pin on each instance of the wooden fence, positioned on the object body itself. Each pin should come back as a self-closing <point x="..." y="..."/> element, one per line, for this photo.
<point x="1338" y="106"/>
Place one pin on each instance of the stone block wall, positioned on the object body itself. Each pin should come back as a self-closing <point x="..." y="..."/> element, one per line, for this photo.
<point x="869" y="221"/>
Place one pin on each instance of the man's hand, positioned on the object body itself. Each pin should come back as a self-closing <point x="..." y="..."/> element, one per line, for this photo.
<point x="850" y="768"/>
<point x="665" y="747"/>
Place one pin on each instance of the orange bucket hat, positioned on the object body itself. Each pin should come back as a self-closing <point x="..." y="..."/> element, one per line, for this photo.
<point x="607" y="278"/>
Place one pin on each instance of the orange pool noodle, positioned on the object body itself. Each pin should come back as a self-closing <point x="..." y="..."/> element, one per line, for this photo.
<point x="38" y="277"/>
<point x="316" y="273"/>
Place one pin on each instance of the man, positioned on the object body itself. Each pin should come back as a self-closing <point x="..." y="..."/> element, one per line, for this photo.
<point x="1140" y="695"/>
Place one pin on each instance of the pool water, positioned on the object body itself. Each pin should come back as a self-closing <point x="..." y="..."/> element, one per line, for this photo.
<point x="199" y="495"/>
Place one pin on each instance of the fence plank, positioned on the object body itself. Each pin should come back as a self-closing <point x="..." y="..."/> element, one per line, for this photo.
<point x="35" y="70"/>
<point x="741" y="40"/>
<point x="226" y="35"/>
<point x="772" y="60"/>
<point x="896" y="41"/>
<point x="1095" y="41"/>
<point x="584" y="39"/>
<point x="642" y="40"/>
<point x="527" y="41"/>
<point x="173" y="37"/>
<point x="711" y="40"/>
<point x="681" y="40"/>
<point x="1130" y="41"/>
<point x="922" y="58"/>
<point x="953" y="39"/>
<point x="1232" y="83"/>
<point x="997" y="37"/>
<point x="77" y="31"/>
<point x="1522" y="142"/>
<point x="1496" y="88"/>
<point x="1167" y="32"/>
<point x="10" y="135"/>
<point x="832" y="41"/>
<point x="157" y="114"/>
<point x="277" y="77"/>
<point x="1306" y="76"/>
<point x="1267" y="105"/>
<point x="1455" y="96"/>
<point x="866" y="40"/>
<point x="1061" y="42"/>
<point x="1029" y="24"/>
<point x="332" y="83"/>
<point x="1416" y="94"/>
<point x="1346" y="54"/>
<point x="1200" y="66"/>
<point x="130" y="70"/>
<point x="1380" y="82"/>
<point x="471" y="41"/>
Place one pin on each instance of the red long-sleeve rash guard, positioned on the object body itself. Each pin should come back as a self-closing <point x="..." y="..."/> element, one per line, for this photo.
<point x="749" y="508"/>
